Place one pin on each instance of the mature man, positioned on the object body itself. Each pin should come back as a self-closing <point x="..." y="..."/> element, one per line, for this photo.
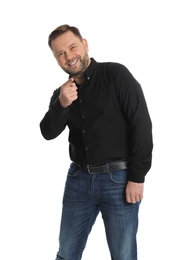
<point x="110" y="147"/>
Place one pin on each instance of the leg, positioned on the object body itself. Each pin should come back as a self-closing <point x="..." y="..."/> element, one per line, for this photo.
<point x="78" y="215"/>
<point x="120" y="218"/>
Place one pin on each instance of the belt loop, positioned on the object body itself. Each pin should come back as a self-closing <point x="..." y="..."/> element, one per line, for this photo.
<point x="88" y="168"/>
<point x="105" y="168"/>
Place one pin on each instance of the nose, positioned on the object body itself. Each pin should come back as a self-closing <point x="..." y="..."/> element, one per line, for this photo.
<point x="68" y="56"/>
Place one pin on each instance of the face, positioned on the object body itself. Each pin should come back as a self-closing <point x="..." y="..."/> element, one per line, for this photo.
<point x="71" y="53"/>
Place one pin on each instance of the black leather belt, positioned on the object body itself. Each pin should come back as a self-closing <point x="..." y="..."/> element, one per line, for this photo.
<point x="106" y="168"/>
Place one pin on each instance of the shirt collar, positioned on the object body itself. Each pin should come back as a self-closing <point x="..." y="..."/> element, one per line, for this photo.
<point x="90" y="70"/>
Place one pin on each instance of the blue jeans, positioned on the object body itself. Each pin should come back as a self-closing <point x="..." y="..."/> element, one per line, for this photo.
<point x="85" y="196"/>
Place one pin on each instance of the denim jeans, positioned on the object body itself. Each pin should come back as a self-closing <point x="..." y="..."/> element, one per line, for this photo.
<point x="85" y="196"/>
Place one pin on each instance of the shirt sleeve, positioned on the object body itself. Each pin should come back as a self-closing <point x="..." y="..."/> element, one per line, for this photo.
<point x="55" y="120"/>
<point x="132" y="101"/>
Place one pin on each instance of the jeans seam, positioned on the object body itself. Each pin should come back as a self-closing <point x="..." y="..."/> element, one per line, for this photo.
<point x="86" y="233"/>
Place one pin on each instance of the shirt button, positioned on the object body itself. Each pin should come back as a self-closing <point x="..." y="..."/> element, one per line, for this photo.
<point x="83" y="131"/>
<point x="83" y="116"/>
<point x="80" y="100"/>
<point x="86" y="148"/>
<point x="88" y="78"/>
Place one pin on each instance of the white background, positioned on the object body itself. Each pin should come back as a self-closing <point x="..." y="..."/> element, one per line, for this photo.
<point x="148" y="37"/>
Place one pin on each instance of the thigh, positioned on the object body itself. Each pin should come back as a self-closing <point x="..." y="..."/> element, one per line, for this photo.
<point x="78" y="215"/>
<point x="120" y="218"/>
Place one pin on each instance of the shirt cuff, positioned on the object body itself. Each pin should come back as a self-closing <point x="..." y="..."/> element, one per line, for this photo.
<point x="57" y="107"/>
<point x="136" y="177"/>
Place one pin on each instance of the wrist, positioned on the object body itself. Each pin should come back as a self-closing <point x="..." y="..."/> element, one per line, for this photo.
<point x="62" y="103"/>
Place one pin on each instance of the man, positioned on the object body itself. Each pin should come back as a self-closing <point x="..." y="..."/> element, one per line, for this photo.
<point x="110" y="147"/>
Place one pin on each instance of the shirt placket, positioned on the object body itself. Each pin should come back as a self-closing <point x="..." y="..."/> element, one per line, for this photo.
<point x="83" y="119"/>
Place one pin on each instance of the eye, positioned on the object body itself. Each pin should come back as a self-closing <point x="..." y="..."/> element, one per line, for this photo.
<point x="73" y="47"/>
<point x="59" y="54"/>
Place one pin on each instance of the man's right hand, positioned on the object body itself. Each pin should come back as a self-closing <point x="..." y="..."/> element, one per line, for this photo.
<point x="68" y="93"/>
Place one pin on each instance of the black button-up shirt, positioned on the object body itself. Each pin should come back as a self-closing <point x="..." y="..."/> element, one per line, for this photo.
<point x="109" y="121"/>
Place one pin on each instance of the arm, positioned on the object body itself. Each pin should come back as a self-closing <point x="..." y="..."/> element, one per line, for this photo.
<point x="134" y="107"/>
<point x="55" y="120"/>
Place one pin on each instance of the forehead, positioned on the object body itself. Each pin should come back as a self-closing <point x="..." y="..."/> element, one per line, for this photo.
<point x="65" y="40"/>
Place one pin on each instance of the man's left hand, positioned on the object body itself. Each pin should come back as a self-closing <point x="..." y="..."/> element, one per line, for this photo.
<point x="134" y="192"/>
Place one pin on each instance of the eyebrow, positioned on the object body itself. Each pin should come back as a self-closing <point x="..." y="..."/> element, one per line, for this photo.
<point x="72" y="44"/>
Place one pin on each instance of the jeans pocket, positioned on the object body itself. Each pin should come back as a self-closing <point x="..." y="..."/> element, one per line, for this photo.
<point x="120" y="177"/>
<point x="73" y="170"/>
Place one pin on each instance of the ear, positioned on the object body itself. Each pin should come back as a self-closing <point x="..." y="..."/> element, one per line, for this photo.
<point x="85" y="44"/>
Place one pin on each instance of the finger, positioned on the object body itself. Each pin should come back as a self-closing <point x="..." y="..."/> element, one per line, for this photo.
<point x="73" y="98"/>
<point x="73" y="94"/>
<point x="138" y="198"/>
<point x="133" y="200"/>
<point x="68" y="82"/>
<point x="71" y="80"/>
<point x="71" y="89"/>
<point x="128" y="199"/>
<point x="73" y="85"/>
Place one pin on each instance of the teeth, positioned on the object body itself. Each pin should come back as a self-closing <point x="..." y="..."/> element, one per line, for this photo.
<point x="71" y="64"/>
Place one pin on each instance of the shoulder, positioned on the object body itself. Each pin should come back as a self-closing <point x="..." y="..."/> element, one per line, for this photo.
<point x="121" y="76"/>
<point x="114" y="70"/>
<point x="122" y="79"/>
<point x="111" y="65"/>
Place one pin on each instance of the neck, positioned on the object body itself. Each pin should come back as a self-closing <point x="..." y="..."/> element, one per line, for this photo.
<point x="79" y="79"/>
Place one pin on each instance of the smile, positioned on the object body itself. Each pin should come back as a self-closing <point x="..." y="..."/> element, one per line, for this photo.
<point x="73" y="63"/>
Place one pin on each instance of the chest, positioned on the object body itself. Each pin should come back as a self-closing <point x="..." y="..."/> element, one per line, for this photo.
<point x="97" y="100"/>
